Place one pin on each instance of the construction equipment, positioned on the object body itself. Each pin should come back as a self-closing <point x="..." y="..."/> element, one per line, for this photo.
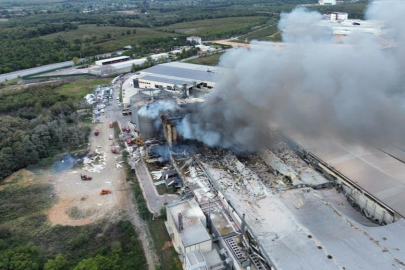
<point x="96" y="132"/>
<point x="105" y="192"/>
<point x="139" y="141"/>
<point x="111" y="124"/>
<point x="85" y="177"/>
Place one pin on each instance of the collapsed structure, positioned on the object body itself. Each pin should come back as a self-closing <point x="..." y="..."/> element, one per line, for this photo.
<point x="292" y="206"/>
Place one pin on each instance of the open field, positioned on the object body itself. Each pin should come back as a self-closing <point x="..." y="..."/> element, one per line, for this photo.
<point x="80" y="88"/>
<point x="117" y="40"/>
<point x="209" y="60"/>
<point x="268" y="33"/>
<point x="215" y="26"/>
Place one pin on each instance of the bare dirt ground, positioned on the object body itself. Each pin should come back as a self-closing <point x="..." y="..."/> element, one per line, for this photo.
<point x="82" y="197"/>
<point x="23" y="178"/>
<point x="80" y="202"/>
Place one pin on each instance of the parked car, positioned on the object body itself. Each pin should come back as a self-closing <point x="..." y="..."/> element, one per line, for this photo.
<point x="111" y="137"/>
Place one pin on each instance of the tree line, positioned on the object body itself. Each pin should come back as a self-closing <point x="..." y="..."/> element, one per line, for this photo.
<point x="37" y="123"/>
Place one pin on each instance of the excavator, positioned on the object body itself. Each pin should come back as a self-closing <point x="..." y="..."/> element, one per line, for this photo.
<point x="85" y="177"/>
<point x="139" y="141"/>
<point x="105" y="192"/>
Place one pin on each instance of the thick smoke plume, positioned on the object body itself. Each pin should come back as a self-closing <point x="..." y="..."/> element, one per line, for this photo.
<point x="152" y="110"/>
<point x="313" y="86"/>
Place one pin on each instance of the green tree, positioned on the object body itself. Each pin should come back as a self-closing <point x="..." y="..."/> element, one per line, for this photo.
<point x="128" y="32"/>
<point x="38" y="107"/>
<point x="59" y="263"/>
<point x="21" y="258"/>
<point x="75" y="60"/>
<point x="97" y="263"/>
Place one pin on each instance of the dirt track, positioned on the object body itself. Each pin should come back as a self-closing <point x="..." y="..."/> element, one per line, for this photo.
<point x="81" y="198"/>
<point x="80" y="202"/>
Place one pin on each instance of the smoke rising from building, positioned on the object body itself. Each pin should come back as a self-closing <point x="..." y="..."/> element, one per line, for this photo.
<point x="152" y="110"/>
<point x="352" y="91"/>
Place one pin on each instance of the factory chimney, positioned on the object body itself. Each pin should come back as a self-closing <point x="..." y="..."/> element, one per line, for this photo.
<point x="180" y="222"/>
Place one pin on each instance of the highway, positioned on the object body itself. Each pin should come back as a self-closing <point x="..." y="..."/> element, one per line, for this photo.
<point x="25" y="72"/>
<point x="13" y="75"/>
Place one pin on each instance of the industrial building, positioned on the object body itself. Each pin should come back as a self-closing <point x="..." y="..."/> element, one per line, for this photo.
<point x="372" y="178"/>
<point x="336" y="16"/>
<point x="126" y="66"/>
<point x="327" y="2"/>
<point x="123" y="64"/>
<point x="114" y="60"/>
<point x="301" y="205"/>
<point x="344" y="27"/>
<point x="175" y="75"/>
<point x="147" y="124"/>
<point x="187" y="224"/>
<point x="193" y="233"/>
<point x="194" y="39"/>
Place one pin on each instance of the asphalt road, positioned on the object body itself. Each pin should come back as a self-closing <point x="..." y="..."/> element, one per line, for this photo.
<point x="25" y="72"/>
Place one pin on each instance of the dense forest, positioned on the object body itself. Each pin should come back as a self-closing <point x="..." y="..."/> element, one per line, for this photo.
<point x="85" y="250"/>
<point x="28" y="21"/>
<point x="37" y="123"/>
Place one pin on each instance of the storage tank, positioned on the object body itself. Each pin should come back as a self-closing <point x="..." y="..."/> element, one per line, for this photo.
<point x="146" y="126"/>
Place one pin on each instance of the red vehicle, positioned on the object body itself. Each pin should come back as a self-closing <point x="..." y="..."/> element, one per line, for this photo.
<point x="123" y="128"/>
<point x="111" y="124"/>
<point x="113" y="150"/>
<point x="129" y="142"/>
<point x="96" y="132"/>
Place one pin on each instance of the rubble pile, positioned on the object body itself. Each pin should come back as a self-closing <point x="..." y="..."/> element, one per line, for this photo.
<point x="95" y="162"/>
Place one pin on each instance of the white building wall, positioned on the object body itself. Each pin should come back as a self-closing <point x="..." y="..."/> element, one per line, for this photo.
<point x="327" y="2"/>
<point x="195" y="39"/>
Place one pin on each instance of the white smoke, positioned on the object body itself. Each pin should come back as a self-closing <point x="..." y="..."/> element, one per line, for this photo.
<point x="152" y="110"/>
<point x="314" y="87"/>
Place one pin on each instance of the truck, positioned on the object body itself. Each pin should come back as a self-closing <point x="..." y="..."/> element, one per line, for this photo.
<point x="105" y="192"/>
<point x="96" y="132"/>
<point x="85" y="177"/>
<point x="111" y="124"/>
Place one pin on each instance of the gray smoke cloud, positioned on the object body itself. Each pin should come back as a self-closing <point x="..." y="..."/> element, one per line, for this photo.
<point x="152" y="110"/>
<point x="351" y="91"/>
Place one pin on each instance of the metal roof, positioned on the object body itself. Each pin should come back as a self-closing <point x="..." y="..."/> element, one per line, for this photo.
<point x="195" y="257"/>
<point x="379" y="172"/>
<point x="183" y="73"/>
<point x="194" y="231"/>
<point x="166" y="79"/>
<point x="303" y="229"/>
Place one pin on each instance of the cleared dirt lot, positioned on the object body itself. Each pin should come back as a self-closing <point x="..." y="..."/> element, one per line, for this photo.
<point x="79" y="201"/>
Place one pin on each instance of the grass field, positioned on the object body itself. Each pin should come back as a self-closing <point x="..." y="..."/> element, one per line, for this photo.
<point x="210" y="60"/>
<point x="215" y="26"/>
<point x="167" y="255"/>
<point x="116" y="41"/>
<point x="269" y="33"/>
<point x="80" y="88"/>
